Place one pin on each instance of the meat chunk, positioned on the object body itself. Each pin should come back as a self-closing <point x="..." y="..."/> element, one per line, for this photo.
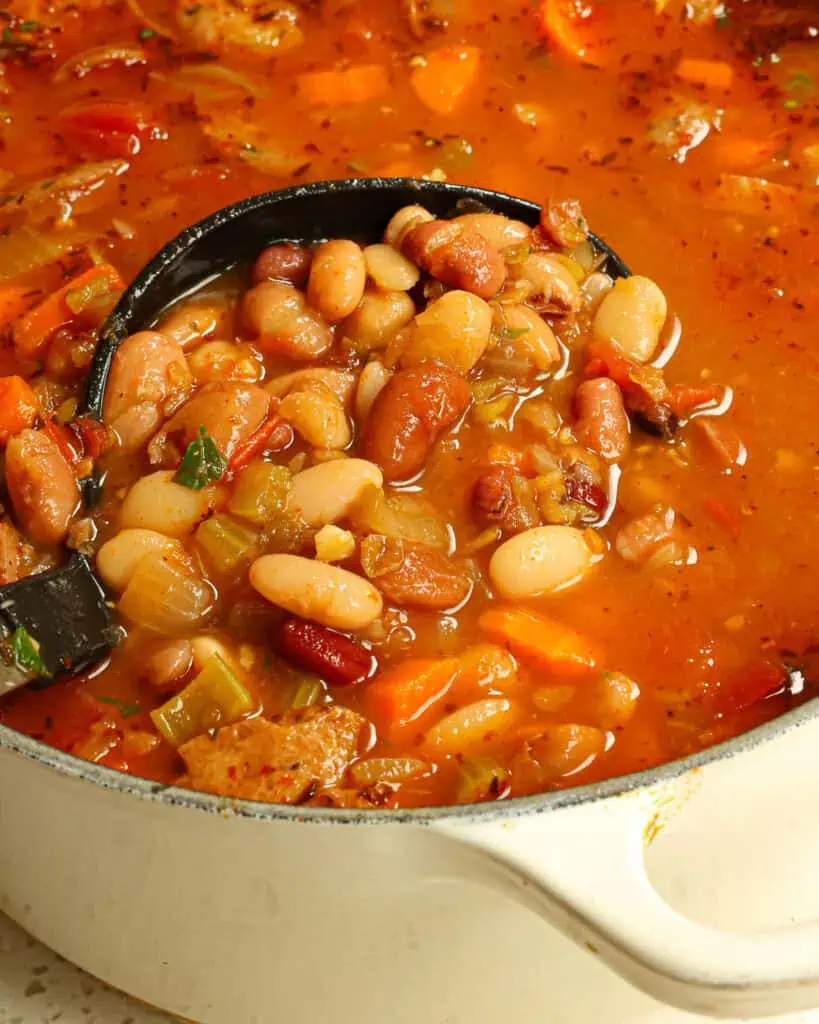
<point x="505" y="498"/>
<point x="285" y="760"/>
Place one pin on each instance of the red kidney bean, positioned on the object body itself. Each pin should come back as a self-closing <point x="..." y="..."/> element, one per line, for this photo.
<point x="505" y="498"/>
<point x="285" y="262"/>
<point x="563" y="222"/>
<point x="411" y="410"/>
<point x="339" y="660"/>
<point x="602" y="423"/>
<point x="457" y="255"/>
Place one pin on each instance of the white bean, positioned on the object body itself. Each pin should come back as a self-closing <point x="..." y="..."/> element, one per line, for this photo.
<point x="168" y="663"/>
<point x="453" y="329"/>
<point x="550" y="277"/>
<point x="371" y="383"/>
<point x="337" y="278"/>
<point x="390" y="269"/>
<point x="377" y="319"/>
<point x="225" y="361"/>
<point x="318" y="415"/>
<point x="283" y="324"/>
<point x="119" y="556"/>
<point x="327" y="492"/>
<point x="402" y="221"/>
<point x="631" y="316"/>
<point x="469" y="725"/>
<point x="340" y="382"/>
<point x="189" y="323"/>
<point x="155" y="502"/>
<point x="540" y="561"/>
<point x="498" y="230"/>
<point x="532" y="336"/>
<point x="315" y="590"/>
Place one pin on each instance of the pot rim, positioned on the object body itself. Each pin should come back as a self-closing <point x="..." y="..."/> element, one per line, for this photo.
<point x="539" y="803"/>
<point x="175" y="796"/>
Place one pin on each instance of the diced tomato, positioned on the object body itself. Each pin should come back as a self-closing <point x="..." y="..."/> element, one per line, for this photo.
<point x="684" y="400"/>
<point x="275" y="434"/>
<point x="95" y="436"/>
<point x="65" y="441"/>
<point x="105" y="128"/>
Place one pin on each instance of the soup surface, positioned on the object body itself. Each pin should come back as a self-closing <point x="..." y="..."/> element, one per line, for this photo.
<point x="683" y="607"/>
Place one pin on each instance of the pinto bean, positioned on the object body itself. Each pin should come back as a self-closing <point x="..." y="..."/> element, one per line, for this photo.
<point x="225" y="360"/>
<point x="602" y="422"/>
<point x="409" y="413"/>
<point x="41" y="485"/>
<point x="456" y="255"/>
<point x="498" y="230"/>
<point x="502" y="497"/>
<point x="337" y="278"/>
<point x="230" y="412"/>
<point x="415" y="574"/>
<point x="190" y="322"/>
<point x="315" y="590"/>
<point x="283" y="324"/>
<point x="285" y="262"/>
<point x="454" y="329"/>
<point x="552" y="282"/>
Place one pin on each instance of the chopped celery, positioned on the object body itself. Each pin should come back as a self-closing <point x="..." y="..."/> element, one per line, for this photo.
<point x="261" y="492"/>
<point x="494" y="411"/>
<point x="226" y="543"/>
<point x="308" y="691"/>
<point x="213" y="698"/>
<point x="482" y="778"/>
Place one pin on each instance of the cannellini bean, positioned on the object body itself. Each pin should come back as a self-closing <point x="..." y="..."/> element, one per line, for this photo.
<point x="371" y="383"/>
<point x="340" y="382"/>
<point x="490" y="666"/>
<point x="390" y="269"/>
<point x="169" y="662"/>
<point x="279" y="317"/>
<point x="566" y="748"/>
<point x="498" y="230"/>
<point x="225" y="361"/>
<point x="378" y="318"/>
<point x="615" y="696"/>
<point x="536" y="340"/>
<point x="540" y="561"/>
<point x="553" y="282"/>
<point x="337" y="278"/>
<point x="595" y="287"/>
<point x="631" y="316"/>
<point x="402" y="221"/>
<point x="119" y="556"/>
<point x="327" y="492"/>
<point x="155" y="502"/>
<point x="205" y="647"/>
<point x="315" y="590"/>
<point x="453" y="329"/>
<point x="469" y="725"/>
<point x="188" y="324"/>
<point x="317" y="414"/>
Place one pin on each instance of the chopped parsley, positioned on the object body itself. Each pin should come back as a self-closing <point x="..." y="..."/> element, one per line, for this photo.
<point x="722" y="20"/>
<point x="801" y="87"/>
<point x="146" y="33"/>
<point x="125" y="708"/>
<point x="202" y="463"/>
<point x="26" y="653"/>
<point x="510" y="333"/>
<point x="28" y="26"/>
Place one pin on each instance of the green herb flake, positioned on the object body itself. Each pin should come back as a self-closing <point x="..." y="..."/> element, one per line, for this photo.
<point x="801" y="80"/>
<point x="125" y="708"/>
<point x="146" y="33"/>
<point x="28" y="26"/>
<point x="723" y="21"/>
<point x="202" y="463"/>
<point x="791" y="104"/>
<point x="510" y="333"/>
<point x="26" y="653"/>
<point x="8" y="35"/>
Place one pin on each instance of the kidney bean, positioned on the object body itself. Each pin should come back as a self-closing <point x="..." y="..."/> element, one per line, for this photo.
<point x="285" y="262"/>
<point x="502" y="497"/>
<point x="563" y="222"/>
<point x="602" y="423"/>
<point x="411" y="410"/>
<point x="588" y="493"/>
<point x="339" y="660"/>
<point x="425" y="577"/>
<point x="457" y="255"/>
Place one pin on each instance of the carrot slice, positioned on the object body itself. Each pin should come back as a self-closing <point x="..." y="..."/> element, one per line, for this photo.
<point x="561" y="21"/>
<point x="401" y="695"/>
<point x="14" y="302"/>
<point x="32" y="333"/>
<point x="18" y="407"/>
<point x="539" y="638"/>
<point x="714" y="74"/>
<point x="444" y="80"/>
<point x="336" y="88"/>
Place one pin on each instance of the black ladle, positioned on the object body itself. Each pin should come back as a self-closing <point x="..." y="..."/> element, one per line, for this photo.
<point x="66" y="610"/>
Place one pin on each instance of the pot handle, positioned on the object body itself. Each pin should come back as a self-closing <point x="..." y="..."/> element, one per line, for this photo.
<point x="583" y="869"/>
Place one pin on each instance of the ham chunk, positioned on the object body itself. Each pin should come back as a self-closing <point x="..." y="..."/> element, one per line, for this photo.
<point x="285" y="760"/>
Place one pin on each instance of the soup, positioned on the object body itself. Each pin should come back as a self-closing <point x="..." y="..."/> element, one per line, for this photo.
<point x="674" y="462"/>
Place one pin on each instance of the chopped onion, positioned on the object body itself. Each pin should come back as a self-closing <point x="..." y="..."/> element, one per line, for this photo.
<point x="482" y="778"/>
<point x="154" y="26"/>
<point x="83" y="63"/>
<point x="25" y="248"/>
<point x="166" y="596"/>
<point x="405" y="516"/>
<point x="211" y="81"/>
<point x="261" y="492"/>
<point x="45" y="198"/>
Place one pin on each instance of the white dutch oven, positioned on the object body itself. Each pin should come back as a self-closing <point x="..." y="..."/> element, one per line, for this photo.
<point x="249" y="913"/>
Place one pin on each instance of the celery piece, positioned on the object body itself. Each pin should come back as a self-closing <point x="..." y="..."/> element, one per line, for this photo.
<point x="226" y="543"/>
<point x="261" y="492"/>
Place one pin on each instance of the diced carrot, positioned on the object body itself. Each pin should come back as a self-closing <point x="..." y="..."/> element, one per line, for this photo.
<point x="560" y="22"/>
<point x="530" y="635"/>
<point x="336" y="88"/>
<point x="273" y="433"/>
<point x="504" y="455"/>
<point x="723" y="439"/>
<point x="740" y="152"/>
<point x="714" y="74"/>
<point x="15" y="300"/>
<point x="444" y="80"/>
<point x="400" y="696"/>
<point x="95" y="436"/>
<point x="18" y="407"/>
<point x="32" y="333"/>
<point x="684" y="400"/>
